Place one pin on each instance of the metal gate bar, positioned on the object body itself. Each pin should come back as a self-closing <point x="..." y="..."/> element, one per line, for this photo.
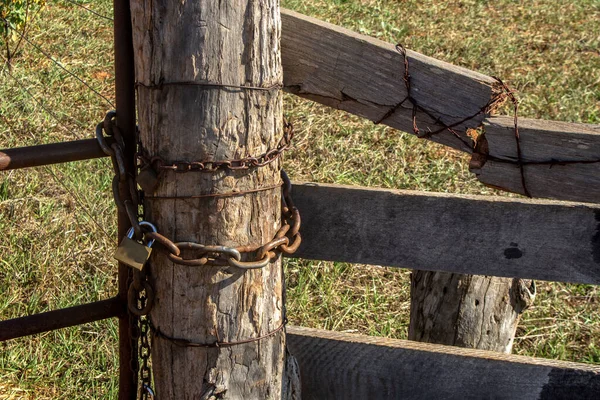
<point x="125" y="104"/>
<point x="81" y="150"/>
<point x="63" y="318"/>
<point x="54" y="153"/>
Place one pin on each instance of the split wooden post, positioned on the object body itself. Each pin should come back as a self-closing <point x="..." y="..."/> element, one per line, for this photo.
<point x="191" y="59"/>
<point x="473" y="311"/>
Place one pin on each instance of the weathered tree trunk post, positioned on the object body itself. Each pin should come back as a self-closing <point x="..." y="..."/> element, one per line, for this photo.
<point x="192" y="57"/>
<point x="472" y="311"/>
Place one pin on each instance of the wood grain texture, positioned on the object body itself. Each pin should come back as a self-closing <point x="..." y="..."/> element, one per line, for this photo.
<point x="364" y="76"/>
<point x="531" y="239"/>
<point x="547" y="142"/>
<point x="344" y="366"/>
<point x="231" y="43"/>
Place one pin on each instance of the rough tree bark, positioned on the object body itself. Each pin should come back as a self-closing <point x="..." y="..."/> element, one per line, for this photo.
<point x="480" y="312"/>
<point x="181" y="49"/>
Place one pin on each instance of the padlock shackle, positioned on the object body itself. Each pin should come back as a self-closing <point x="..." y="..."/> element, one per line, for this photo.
<point x="130" y="232"/>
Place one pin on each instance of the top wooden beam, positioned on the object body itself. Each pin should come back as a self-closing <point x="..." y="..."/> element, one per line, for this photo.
<point x="364" y="76"/>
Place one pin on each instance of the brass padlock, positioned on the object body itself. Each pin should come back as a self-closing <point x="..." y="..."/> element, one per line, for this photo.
<point x="132" y="252"/>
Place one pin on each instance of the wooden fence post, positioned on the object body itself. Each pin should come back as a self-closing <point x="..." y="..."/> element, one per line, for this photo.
<point x="479" y="312"/>
<point x="191" y="59"/>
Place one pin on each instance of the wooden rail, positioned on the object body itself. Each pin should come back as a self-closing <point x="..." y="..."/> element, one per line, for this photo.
<point x="569" y="154"/>
<point x="337" y="366"/>
<point x="364" y="76"/>
<point x="538" y="239"/>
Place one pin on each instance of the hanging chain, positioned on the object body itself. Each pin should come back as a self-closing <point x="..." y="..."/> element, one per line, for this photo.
<point x="124" y="187"/>
<point x="145" y="374"/>
<point x="140" y="294"/>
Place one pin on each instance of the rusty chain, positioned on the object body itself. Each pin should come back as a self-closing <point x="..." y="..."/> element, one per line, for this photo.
<point x="124" y="187"/>
<point x="286" y="240"/>
<point x="126" y="198"/>
<point x="140" y="294"/>
<point x="145" y="349"/>
<point x="159" y="164"/>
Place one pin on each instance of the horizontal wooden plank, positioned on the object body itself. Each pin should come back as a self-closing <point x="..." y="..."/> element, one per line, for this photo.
<point x="364" y="76"/>
<point x="537" y="239"/>
<point x="335" y="365"/>
<point x="562" y="160"/>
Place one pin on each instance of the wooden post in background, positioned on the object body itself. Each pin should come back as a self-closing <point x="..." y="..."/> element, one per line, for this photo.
<point x="480" y="312"/>
<point x="191" y="56"/>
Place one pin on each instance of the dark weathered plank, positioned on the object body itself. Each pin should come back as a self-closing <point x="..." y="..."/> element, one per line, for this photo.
<point x="541" y="239"/>
<point x="364" y="76"/>
<point x="335" y="365"/>
<point x="562" y="159"/>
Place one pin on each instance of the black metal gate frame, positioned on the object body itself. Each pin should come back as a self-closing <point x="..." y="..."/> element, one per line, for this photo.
<point x="32" y="156"/>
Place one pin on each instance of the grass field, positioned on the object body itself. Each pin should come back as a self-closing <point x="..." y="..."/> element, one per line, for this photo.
<point x="58" y="222"/>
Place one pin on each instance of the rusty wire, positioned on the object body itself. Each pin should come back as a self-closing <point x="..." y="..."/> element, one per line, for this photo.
<point x="268" y="157"/>
<point x="216" y="195"/>
<point x="417" y="107"/>
<point x="160" y="85"/>
<point x="511" y="95"/>
<point x="189" y="343"/>
<point x="498" y="97"/>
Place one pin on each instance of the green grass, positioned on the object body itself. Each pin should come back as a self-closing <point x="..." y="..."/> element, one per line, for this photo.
<point x="54" y="253"/>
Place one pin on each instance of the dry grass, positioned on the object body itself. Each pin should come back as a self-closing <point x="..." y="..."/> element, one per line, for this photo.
<point x="54" y="253"/>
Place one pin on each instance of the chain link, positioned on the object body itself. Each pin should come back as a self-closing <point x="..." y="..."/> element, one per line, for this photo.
<point x="140" y="294"/>
<point x="286" y="240"/>
<point x="159" y="164"/>
<point x="144" y="348"/>
<point x="124" y="187"/>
